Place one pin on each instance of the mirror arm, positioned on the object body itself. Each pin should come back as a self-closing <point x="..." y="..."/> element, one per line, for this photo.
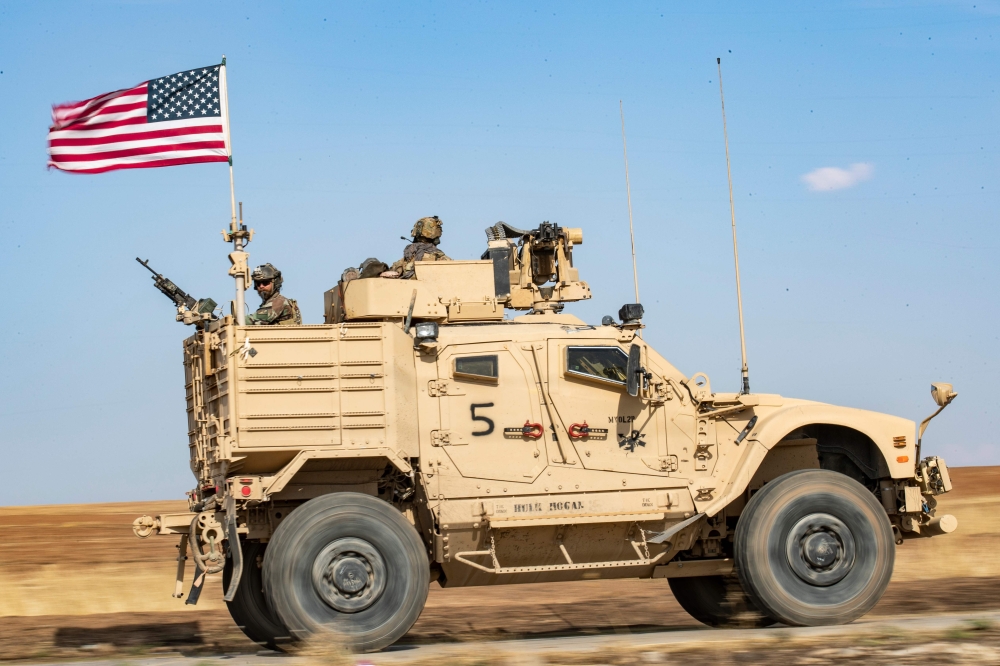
<point x="946" y="399"/>
<point x="923" y="427"/>
<point x="923" y="424"/>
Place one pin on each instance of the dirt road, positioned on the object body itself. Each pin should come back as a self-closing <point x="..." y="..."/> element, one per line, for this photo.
<point x="75" y="583"/>
<point x="948" y="639"/>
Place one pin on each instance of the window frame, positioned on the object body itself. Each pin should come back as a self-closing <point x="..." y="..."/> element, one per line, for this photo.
<point x="595" y="378"/>
<point x="484" y="379"/>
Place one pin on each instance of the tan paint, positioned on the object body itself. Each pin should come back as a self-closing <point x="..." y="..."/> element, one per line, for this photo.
<point x="278" y="415"/>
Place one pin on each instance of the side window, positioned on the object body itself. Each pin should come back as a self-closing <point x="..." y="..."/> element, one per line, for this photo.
<point x="482" y="368"/>
<point x="606" y="364"/>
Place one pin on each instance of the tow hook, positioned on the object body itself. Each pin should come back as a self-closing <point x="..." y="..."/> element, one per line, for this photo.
<point x="144" y="526"/>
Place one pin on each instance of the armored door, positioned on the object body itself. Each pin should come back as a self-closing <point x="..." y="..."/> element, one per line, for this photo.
<point x="610" y="429"/>
<point x="484" y="390"/>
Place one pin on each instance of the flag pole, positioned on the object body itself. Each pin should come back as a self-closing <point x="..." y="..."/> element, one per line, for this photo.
<point x="237" y="234"/>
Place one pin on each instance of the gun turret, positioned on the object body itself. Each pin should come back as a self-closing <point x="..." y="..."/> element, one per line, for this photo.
<point x="534" y="268"/>
<point x="185" y="302"/>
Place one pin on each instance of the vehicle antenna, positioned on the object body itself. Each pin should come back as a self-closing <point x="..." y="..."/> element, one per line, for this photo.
<point x="628" y="193"/>
<point x="736" y="255"/>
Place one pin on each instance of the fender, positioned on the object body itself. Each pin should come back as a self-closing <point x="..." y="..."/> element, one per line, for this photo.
<point x="275" y="484"/>
<point x="886" y="431"/>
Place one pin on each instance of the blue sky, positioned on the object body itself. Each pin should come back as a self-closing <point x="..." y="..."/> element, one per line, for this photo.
<point x="351" y="120"/>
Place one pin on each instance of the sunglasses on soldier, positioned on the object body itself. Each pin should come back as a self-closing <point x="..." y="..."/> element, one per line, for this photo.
<point x="261" y="283"/>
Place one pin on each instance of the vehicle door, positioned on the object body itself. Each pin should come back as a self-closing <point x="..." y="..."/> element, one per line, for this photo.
<point x="483" y="390"/>
<point x="610" y="429"/>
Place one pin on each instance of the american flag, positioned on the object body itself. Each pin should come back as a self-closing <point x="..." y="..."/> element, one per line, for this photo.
<point x="175" y="119"/>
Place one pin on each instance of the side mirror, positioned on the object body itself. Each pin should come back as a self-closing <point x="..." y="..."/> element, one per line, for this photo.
<point x="942" y="394"/>
<point x="634" y="369"/>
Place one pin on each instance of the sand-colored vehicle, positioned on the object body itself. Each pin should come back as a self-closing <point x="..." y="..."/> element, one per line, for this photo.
<point x="421" y="435"/>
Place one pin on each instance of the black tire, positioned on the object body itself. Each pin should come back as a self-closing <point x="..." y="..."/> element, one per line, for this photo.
<point x="248" y="608"/>
<point x="814" y="547"/>
<point x="350" y="564"/>
<point x="718" y="601"/>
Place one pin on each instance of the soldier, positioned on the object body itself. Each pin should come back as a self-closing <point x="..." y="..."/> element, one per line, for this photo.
<point x="275" y="309"/>
<point x="426" y="236"/>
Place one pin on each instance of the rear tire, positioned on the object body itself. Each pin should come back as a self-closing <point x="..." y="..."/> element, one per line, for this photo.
<point x="349" y="564"/>
<point x="718" y="601"/>
<point x="248" y="608"/>
<point x="814" y="547"/>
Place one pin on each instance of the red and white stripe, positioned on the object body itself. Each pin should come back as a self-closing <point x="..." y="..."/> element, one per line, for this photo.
<point x="110" y="132"/>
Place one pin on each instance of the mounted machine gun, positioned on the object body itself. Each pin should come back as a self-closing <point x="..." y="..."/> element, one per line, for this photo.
<point x="189" y="310"/>
<point x="534" y="269"/>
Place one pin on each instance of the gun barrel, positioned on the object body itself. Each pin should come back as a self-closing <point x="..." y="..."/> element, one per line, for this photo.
<point x="180" y="297"/>
<point x="146" y="264"/>
<point x="168" y="288"/>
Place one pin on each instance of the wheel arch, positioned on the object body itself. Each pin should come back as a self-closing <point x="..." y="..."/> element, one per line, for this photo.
<point x="333" y="461"/>
<point x="880" y="431"/>
<point x="864" y="439"/>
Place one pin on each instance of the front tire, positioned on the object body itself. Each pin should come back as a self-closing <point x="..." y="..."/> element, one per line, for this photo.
<point x="814" y="547"/>
<point x="349" y="564"/>
<point x="718" y="601"/>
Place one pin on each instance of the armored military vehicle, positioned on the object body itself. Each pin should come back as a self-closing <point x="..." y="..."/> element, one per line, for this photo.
<point x="425" y="433"/>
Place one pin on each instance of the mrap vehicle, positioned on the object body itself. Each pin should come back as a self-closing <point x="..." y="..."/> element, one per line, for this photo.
<point x="420" y="435"/>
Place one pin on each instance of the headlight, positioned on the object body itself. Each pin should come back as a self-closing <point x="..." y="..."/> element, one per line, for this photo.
<point x="630" y="313"/>
<point x="426" y="331"/>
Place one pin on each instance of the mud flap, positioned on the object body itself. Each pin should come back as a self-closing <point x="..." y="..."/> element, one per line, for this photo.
<point x="671" y="531"/>
<point x="196" y="585"/>
<point x="235" y="551"/>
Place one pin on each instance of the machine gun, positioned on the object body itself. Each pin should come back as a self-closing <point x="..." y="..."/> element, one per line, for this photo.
<point x="534" y="268"/>
<point x="189" y="310"/>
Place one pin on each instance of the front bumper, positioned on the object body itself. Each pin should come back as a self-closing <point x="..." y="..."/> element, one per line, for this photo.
<point x="917" y="515"/>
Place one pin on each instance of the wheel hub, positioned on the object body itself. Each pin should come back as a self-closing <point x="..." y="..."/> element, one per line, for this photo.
<point x="349" y="574"/>
<point x="820" y="549"/>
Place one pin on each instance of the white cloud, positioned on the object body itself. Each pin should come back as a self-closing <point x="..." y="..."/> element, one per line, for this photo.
<point x="827" y="179"/>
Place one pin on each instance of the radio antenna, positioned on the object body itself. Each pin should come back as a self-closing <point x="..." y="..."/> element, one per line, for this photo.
<point x="628" y="192"/>
<point x="736" y="255"/>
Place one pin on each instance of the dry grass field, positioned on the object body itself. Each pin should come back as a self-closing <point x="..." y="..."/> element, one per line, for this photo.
<point x="75" y="581"/>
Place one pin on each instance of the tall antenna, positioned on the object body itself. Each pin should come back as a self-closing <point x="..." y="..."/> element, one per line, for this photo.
<point x="628" y="191"/>
<point x="736" y="255"/>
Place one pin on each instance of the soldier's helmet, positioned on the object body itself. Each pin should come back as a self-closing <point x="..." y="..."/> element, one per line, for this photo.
<point x="268" y="272"/>
<point x="427" y="228"/>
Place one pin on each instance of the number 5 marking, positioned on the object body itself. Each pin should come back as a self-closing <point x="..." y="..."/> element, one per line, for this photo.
<point x="484" y="419"/>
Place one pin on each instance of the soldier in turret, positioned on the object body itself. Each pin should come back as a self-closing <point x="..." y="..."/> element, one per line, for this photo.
<point x="426" y="235"/>
<point x="275" y="309"/>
